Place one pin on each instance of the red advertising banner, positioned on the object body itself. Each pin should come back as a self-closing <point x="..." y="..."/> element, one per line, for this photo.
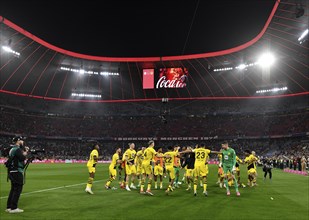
<point x="172" y="78"/>
<point x="148" y="78"/>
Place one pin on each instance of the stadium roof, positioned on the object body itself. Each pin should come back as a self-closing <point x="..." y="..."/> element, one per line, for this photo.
<point x="140" y="28"/>
<point x="40" y="70"/>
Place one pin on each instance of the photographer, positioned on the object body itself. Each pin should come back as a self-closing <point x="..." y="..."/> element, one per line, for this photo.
<point x="267" y="166"/>
<point x="16" y="165"/>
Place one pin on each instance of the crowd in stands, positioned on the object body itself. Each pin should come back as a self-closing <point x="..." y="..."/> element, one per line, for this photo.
<point x="272" y="128"/>
<point x="147" y="126"/>
<point x="180" y="108"/>
<point x="285" y="153"/>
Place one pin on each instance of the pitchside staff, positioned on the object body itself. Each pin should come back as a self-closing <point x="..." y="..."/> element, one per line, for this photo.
<point x="16" y="165"/>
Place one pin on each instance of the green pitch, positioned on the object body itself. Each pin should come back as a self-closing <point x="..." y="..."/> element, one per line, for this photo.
<point x="56" y="191"/>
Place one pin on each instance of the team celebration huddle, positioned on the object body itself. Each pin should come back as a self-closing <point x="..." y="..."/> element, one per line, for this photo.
<point x="148" y="165"/>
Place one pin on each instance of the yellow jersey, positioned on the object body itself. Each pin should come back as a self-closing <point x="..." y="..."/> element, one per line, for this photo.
<point x="115" y="158"/>
<point x="149" y="154"/>
<point x="92" y="161"/>
<point x="130" y="154"/>
<point x="201" y="155"/>
<point x="238" y="160"/>
<point x="169" y="161"/>
<point x="139" y="158"/>
<point x="250" y="160"/>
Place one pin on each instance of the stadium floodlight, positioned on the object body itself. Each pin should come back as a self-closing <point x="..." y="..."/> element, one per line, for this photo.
<point x="244" y="66"/>
<point x="9" y="50"/>
<point x="301" y="39"/>
<point x="109" y="73"/>
<point x="266" y="60"/>
<point x="241" y="66"/>
<point x="223" y="69"/>
<point x="276" y="89"/>
<point x="82" y="71"/>
<point x="89" y="72"/>
<point x="86" y="95"/>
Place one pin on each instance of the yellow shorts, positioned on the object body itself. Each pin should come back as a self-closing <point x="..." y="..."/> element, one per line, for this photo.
<point x="252" y="171"/>
<point x="189" y="172"/>
<point x="112" y="171"/>
<point x="139" y="170"/>
<point x="171" y="172"/>
<point x="158" y="170"/>
<point x="200" y="170"/>
<point x="91" y="169"/>
<point x="130" y="169"/>
<point x="146" y="169"/>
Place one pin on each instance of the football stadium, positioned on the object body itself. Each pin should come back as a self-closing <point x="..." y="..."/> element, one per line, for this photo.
<point x="154" y="110"/>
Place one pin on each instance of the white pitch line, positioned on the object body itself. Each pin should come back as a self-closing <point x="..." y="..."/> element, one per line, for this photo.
<point x="50" y="189"/>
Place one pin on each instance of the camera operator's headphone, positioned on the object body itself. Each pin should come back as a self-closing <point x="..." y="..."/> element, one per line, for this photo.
<point x="17" y="138"/>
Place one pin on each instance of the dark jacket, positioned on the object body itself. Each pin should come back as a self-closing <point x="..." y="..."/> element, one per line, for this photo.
<point x="16" y="159"/>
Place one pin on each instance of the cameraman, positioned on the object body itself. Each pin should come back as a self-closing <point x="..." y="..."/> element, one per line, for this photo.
<point x="16" y="165"/>
<point x="267" y="166"/>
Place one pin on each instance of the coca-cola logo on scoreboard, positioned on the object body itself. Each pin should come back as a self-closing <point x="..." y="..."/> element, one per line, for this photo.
<point x="172" y="78"/>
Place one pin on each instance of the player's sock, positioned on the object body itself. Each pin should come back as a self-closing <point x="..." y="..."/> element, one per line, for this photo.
<point x="169" y="188"/>
<point x="205" y="184"/>
<point x="149" y="184"/>
<point x="142" y="184"/>
<point x="195" y="182"/>
<point x="226" y="184"/>
<point x="176" y="180"/>
<point x="156" y="185"/>
<point x="254" y="181"/>
<point x="236" y="184"/>
<point x="189" y="186"/>
<point x="111" y="179"/>
<point x="205" y="187"/>
<point x="161" y="185"/>
<point x="90" y="181"/>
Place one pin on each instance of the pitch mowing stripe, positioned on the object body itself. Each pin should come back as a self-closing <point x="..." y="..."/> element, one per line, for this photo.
<point x="50" y="189"/>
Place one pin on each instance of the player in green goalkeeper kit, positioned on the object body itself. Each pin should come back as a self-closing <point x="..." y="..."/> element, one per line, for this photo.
<point x="228" y="164"/>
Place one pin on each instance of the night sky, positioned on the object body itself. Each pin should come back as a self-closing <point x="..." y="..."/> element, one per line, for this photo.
<point x="140" y="28"/>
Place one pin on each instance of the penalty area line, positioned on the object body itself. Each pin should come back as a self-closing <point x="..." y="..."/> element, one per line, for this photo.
<point x="50" y="189"/>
